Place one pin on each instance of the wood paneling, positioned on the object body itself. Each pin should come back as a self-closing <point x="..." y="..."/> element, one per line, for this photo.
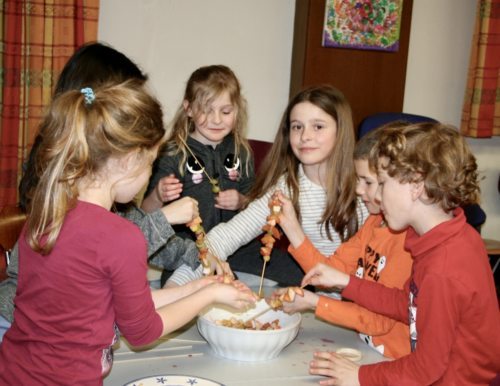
<point x="372" y="81"/>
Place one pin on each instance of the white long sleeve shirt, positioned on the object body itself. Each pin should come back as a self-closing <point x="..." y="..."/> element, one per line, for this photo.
<point x="225" y="238"/>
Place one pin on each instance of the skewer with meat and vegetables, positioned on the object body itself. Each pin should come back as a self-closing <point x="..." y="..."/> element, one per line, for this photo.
<point x="208" y="258"/>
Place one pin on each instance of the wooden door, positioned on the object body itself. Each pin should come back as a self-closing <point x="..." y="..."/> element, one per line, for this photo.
<point x="372" y="81"/>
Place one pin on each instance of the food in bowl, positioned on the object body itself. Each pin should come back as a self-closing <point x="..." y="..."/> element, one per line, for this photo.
<point x="249" y="325"/>
<point x="247" y="345"/>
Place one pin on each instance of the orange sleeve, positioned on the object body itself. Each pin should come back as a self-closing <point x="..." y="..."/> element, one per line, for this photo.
<point x="350" y="315"/>
<point x="307" y="255"/>
<point x="344" y="259"/>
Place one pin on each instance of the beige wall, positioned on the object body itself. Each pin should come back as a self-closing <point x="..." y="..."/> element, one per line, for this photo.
<point x="170" y="38"/>
<point x="438" y="58"/>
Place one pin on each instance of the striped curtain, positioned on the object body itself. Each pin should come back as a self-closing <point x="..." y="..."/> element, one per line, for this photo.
<point x="481" y="110"/>
<point x="36" y="39"/>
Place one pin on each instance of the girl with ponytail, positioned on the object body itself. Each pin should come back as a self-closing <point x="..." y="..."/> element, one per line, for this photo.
<point x="82" y="268"/>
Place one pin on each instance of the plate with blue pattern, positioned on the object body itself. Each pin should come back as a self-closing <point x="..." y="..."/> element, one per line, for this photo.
<point x="173" y="380"/>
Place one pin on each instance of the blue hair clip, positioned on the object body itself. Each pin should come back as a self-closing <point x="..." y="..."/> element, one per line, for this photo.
<point x="88" y="94"/>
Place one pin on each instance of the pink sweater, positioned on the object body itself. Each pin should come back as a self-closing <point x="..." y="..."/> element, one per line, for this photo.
<point x="68" y="302"/>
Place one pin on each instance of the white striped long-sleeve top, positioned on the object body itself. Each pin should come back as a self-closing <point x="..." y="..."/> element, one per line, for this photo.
<point x="226" y="238"/>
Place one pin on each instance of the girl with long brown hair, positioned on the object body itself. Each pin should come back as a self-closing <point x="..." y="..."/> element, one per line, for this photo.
<point x="310" y="162"/>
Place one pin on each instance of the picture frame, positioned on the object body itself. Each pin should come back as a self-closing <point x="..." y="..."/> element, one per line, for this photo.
<point x="363" y="24"/>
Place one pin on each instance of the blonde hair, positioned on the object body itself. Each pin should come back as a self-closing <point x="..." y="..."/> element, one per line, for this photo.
<point x="78" y="136"/>
<point x="203" y="86"/>
<point x="435" y="154"/>
<point x="340" y="210"/>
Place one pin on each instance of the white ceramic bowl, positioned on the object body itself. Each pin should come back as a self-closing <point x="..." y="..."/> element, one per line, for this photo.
<point x="247" y="345"/>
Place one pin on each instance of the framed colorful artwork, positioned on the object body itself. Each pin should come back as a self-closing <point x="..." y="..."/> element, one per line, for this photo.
<point x="363" y="24"/>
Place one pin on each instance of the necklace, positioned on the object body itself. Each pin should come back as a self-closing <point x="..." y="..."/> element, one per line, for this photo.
<point x="213" y="181"/>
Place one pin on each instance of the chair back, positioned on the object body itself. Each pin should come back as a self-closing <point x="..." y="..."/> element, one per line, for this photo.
<point x="475" y="216"/>
<point x="260" y="150"/>
<point x="11" y="223"/>
<point x="3" y="263"/>
<point x="376" y="120"/>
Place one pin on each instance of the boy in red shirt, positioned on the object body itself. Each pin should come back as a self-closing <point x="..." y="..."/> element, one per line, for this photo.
<point x="374" y="253"/>
<point x="425" y="173"/>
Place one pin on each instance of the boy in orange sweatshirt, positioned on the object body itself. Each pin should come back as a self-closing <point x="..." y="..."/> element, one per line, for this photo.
<point x="374" y="253"/>
<point x="425" y="173"/>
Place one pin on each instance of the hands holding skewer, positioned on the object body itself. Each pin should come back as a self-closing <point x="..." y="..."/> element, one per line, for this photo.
<point x="319" y="276"/>
<point x="282" y="298"/>
<point x="210" y="262"/>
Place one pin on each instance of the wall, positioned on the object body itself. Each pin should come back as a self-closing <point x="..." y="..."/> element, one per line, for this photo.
<point x="170" y="38"/>
<point x="440" y="41"/>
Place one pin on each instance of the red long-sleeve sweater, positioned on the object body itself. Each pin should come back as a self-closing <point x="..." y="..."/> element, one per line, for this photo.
<point x="453" y="308"/>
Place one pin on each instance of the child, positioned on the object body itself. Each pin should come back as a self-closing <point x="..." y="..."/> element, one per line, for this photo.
<point x="425" y="173"/>
<point x="375" y="253"/>
<point x="311" y="162"/>
<point x="82" y="268"/>
<point x="207" y="156"/>
<point x="92" y="65"/>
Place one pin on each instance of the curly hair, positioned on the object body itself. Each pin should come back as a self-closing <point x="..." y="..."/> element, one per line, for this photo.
<point x="435" y="154"/>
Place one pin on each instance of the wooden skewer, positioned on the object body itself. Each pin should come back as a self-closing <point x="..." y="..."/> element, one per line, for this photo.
<point x="161" y="357"/>
<point x="201" y="231"/>
<point x="262" y="279"/>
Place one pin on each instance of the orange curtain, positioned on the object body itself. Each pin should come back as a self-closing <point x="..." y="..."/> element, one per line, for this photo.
<point x="481" y="110"/>
<point x="37" y="38"/>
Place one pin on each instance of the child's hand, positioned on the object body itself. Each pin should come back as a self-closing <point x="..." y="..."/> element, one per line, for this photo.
<point x="243" y="287"/>
<point x="169" y="188"/>
<point x="181" y="211"/>
<point x="289" y="221"/>
<point x="299" y="303"/>
<point x="236" y="295"/>
<point x="340" y="371"/>
<point x="229" y="199"/>
<point x="220" y="267"/>
<point x="203" y="282"/>
<point x="324" y="276"/>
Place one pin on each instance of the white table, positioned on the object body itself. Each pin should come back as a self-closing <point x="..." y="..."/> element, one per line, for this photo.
<point x="186" y="353"/>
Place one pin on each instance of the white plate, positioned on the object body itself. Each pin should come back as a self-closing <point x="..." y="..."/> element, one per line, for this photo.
<point x="172" y="380"/>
